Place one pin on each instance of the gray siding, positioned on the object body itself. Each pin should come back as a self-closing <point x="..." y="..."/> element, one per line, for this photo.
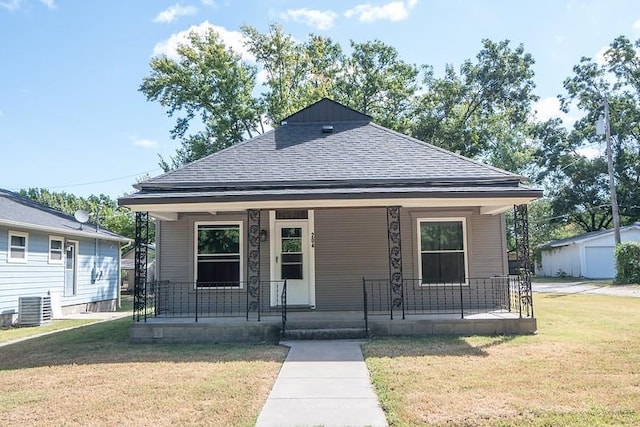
<point x="349" y="244"/>
<point x="175" y="245"/>
<point x="37" y="277"/>
<point x="352" y="243"/>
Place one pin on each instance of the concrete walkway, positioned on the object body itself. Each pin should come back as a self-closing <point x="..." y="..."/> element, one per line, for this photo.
<point x="322" y="383"/>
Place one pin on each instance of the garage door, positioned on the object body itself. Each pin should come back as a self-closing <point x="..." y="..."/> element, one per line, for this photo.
<point x="600" y="262"/>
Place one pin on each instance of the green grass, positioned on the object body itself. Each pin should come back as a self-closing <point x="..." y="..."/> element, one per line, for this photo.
<point x="18" y="332"/>
<point x="15" y="332"/>
<point x="94" y="375"/>
<point x="581" y="368"/>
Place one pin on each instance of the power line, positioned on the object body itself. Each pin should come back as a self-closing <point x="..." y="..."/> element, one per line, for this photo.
<point x="104" y="180"/>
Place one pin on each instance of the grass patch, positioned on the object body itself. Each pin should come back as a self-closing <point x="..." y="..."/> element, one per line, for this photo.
<point x="582" y="368"/>
<point x="16" y="332"/>
<point x="94" y="376"/>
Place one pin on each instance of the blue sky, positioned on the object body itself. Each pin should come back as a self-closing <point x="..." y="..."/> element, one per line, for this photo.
<point x="72" y="119"/>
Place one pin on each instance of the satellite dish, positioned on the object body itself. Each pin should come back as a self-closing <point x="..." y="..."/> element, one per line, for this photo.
<point x="81" y="216"/>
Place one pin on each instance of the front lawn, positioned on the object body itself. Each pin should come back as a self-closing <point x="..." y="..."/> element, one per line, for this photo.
<point x="18" y="332"/>
<point x="94" y="376"/>
<point x="581" y="368"/>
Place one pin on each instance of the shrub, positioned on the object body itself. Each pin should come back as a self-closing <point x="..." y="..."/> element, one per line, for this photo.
<point x="627" y="263"/>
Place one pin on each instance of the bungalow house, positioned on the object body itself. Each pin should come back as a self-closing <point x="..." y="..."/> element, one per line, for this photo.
<point x="589" y="255"/>
<point x="47" y="254"/>
<point x="326" y="216"/>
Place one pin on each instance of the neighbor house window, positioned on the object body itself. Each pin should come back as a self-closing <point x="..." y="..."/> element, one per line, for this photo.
<point x="442" y="251"/>
<point x="56" y="245"/>
<point x="218" y="254"/>
<point x="17" y="247"/>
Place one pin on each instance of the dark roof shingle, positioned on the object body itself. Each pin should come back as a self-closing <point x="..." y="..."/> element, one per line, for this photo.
<point x="20" y="211"/>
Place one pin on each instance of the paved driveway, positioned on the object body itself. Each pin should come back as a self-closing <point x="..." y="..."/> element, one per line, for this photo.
<point x="587" y="288"/>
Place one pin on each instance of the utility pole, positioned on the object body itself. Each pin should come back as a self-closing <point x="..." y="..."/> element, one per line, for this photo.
<point x="612" y="184"/>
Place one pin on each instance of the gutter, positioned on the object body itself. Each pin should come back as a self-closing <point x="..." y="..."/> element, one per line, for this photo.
<point x="65" y="231"/>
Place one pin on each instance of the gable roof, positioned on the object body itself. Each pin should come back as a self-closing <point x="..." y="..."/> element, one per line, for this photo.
<point x="585" y="237"/>
<point x="21" y="212"/>
<point x="329" y="149"/>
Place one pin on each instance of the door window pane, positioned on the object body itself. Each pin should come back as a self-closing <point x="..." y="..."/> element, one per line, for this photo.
<point x="291" y="253"/>
<point x="291" y="271"/>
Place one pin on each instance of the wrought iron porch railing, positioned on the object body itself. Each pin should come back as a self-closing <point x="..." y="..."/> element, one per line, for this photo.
<point x="474" y="296"/>
<point x="205" y="300"/>
<point x="283" y="305"/>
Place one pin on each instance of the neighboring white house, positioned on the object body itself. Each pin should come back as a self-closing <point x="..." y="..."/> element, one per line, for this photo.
<point x="589" y="255"/>
<point x="48" y="255"/>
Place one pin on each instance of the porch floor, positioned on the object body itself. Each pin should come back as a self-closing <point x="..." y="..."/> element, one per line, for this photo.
<point x="238" y="329"/>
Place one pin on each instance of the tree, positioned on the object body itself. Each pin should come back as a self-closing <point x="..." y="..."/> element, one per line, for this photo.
<point x="481" y="111"/>
<point x="210" y="82"/>
<point x="375" y="81"/>
<point x="111" y="216"/>
<point x="581" y="185"/>
<point x="297" y="73"/>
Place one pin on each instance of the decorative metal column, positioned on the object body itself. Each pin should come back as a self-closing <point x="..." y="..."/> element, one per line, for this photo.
<point x="521" y="233"/>
<point x="140" y="263"/>
<point x="395" y="259"/>
<point x="253" y="262"/>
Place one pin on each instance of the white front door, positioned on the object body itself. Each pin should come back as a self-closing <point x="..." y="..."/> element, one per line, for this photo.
<point x="70" y="269"/>
<point x="291" y="259"/>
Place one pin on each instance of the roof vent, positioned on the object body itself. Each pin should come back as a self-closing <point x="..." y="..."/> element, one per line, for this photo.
<point x="327" y="128"/>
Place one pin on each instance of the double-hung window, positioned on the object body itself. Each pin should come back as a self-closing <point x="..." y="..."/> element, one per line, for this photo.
<point x="17" y="251"/>
<point x="218" y="255"/>
<point x="442" y="251"/>
<point x="56" y="245"/>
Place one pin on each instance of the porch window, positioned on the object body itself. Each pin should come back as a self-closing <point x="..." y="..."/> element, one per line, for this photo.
<point x="442" y="251"/>
<point x="218" y="262"/>
<point x="17" y="247"/>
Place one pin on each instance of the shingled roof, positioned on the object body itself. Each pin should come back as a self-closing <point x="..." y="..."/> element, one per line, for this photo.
<point x="325" y="150"/>
<point x="21" y="212"/>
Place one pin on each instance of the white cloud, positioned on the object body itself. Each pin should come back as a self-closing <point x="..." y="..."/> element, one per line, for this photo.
<point x="172" y="13"/>
<point x="549" y="108"/>
<point x="145" y="143"/>
<point x="208" y="2"/>
<point x="323" y="20"/>
<point x="10" y="5"/>
<point x="232" y="39"/>
<point x="393" y="11"/>
<point x="51" y="4"/>
<point x="636" y="25"/>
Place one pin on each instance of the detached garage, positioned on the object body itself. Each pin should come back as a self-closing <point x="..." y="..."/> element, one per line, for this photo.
<point x="589" y="255"/>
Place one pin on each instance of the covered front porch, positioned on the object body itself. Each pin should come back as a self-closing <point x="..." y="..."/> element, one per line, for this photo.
<point x="254" y="309"/>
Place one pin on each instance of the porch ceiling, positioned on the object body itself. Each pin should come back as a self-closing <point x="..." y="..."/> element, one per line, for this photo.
<point x="488" y="206"/>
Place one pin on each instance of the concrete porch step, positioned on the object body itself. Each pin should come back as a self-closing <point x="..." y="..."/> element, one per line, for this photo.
<point x="325" y="334"/>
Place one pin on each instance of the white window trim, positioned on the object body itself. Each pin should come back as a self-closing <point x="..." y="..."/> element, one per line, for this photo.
<point x="11" y="259"/>
<point x="195" y="253"/>
<point x="62" y="250"/>
<point x="463" y="220"/>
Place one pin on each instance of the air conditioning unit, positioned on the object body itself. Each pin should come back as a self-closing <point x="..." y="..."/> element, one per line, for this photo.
<point x="34" y="310"/>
